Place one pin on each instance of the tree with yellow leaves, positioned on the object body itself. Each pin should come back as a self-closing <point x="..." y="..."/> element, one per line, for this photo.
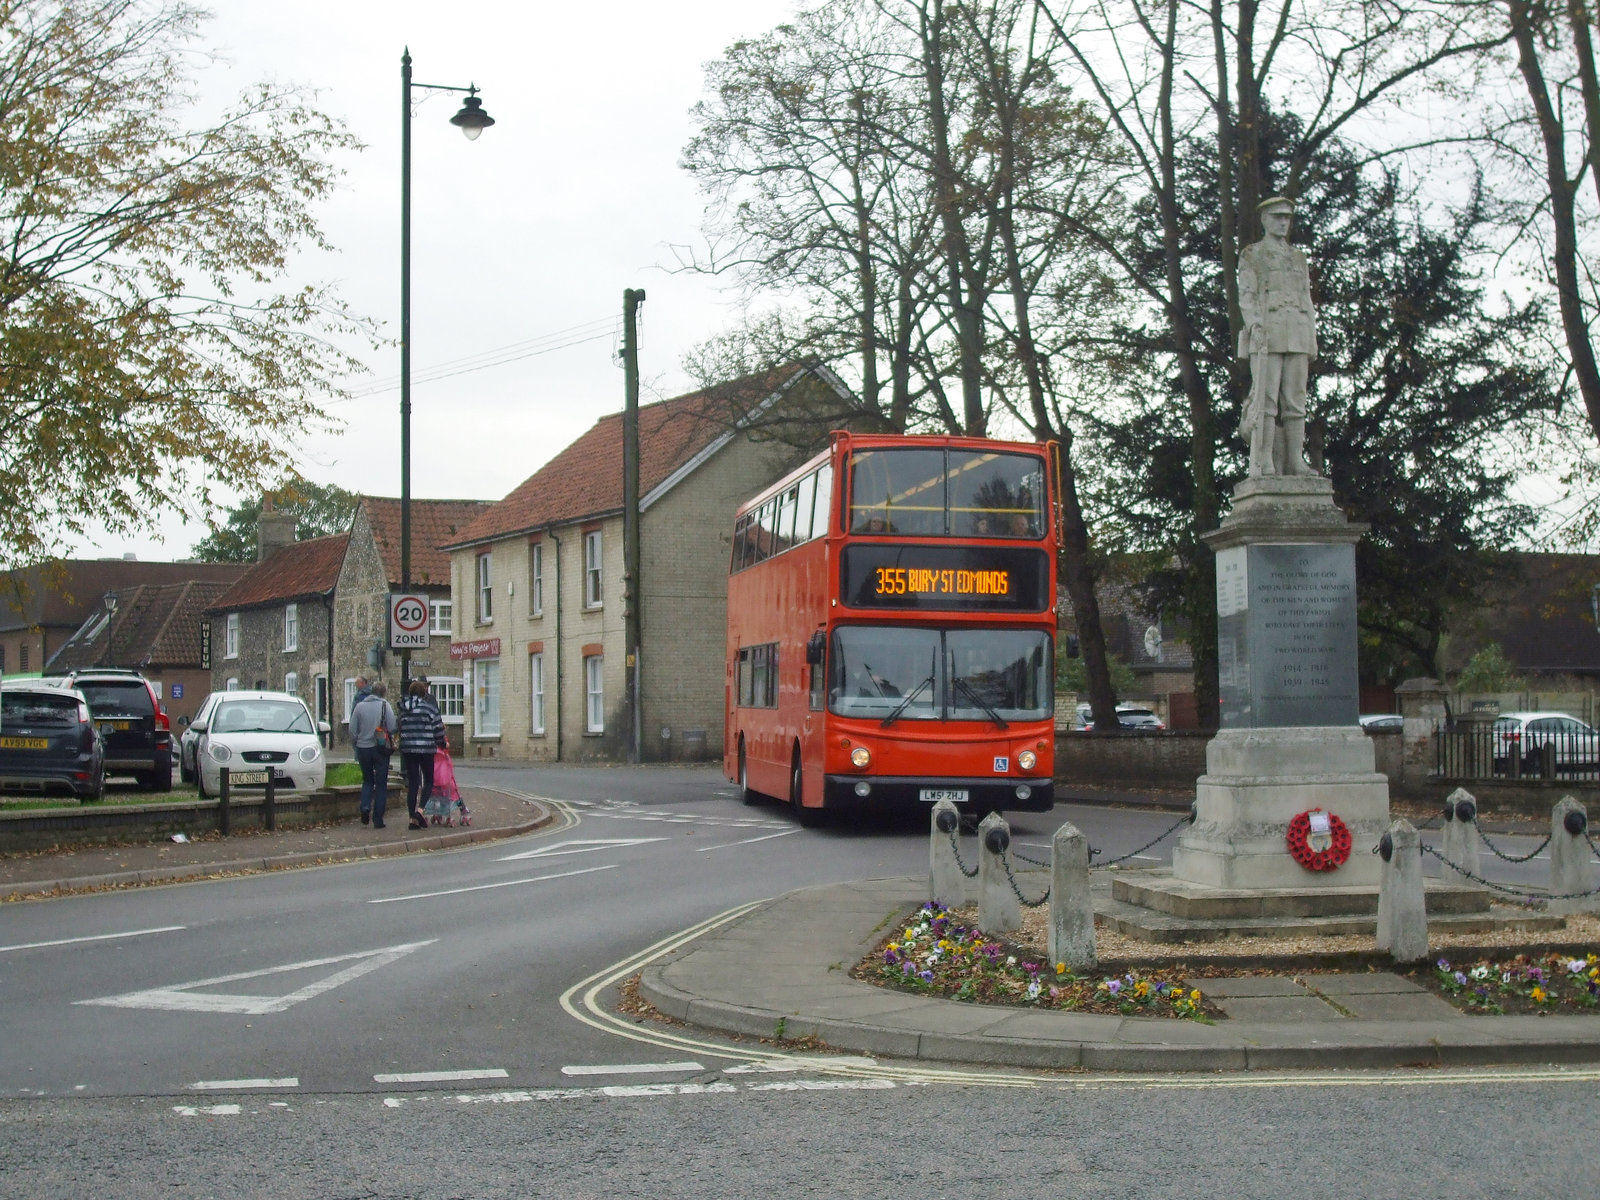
<point x="152" y="348"/>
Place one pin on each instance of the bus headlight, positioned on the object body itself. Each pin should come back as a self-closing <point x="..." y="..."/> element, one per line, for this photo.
<point x="1027" y="760"/>
<point x="861" y="757"/>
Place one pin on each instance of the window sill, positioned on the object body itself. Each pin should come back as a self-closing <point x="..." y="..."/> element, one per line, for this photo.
<point x="594" y="733"/>
<point x="484" y="737"/>
<point x="536" y="733"/>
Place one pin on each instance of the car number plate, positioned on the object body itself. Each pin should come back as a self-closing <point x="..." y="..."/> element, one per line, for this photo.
<point x="247" y="777"/>
<point x="954" y="795"/>
<point x="22" y="743"/>
<point x="114" y="726"/>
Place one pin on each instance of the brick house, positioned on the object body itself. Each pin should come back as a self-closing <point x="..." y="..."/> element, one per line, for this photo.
<point x="155" y="629"/>
<point x="538" y="579"/>
<point x="370" y="571"/>
<point x="274" y="627"/>
<point x="43" y="606"/>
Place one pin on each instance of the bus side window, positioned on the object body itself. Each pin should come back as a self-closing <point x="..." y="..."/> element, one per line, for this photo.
<point x="822" y="510"/>
<point x="805" y="493"/>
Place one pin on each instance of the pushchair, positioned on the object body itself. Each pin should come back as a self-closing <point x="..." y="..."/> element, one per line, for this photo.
<point x="445" y="806"/>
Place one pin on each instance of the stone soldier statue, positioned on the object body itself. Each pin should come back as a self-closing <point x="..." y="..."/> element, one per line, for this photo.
<point x="1280" y="340"/>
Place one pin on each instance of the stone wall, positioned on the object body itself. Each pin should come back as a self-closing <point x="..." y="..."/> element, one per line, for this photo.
<point x="98" y="824"/>
<point x="1170" y="759"/>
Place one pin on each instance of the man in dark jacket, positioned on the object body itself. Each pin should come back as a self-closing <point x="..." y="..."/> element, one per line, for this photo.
<point x="421" y="733"/>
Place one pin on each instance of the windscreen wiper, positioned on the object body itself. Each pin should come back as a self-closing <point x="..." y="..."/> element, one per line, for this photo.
<point x="906" y="702"/>
<point x="981" y="702"/>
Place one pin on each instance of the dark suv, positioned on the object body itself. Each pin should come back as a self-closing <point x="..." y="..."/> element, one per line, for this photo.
<point x="48" y="741"/>
<point x="133" y="725"/>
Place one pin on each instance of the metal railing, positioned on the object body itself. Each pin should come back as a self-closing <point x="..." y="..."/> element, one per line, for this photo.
<point x="1476" y="750"/>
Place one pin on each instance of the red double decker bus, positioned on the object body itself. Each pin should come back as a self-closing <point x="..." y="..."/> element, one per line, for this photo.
<point x="891" y="627"/>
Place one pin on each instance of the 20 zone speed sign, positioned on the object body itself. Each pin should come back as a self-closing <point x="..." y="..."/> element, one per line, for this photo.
<point x="408" y="622"/>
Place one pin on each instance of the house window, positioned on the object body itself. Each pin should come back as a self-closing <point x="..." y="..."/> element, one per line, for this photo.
<point x="450" y="693"/>
<point x="594" y="668"/>
<point x="536" y="690"/>
<point x="232" y="685"/>
<point x="291" y="627"/>
<point x="230" y="636"/>
<point x="291" y="683"/>
<point x="319" y="696"/>
<point x="349" y="698"/>
<point x="22" y="657"/>
<point x="485" y="590"/>
<point x="2" y="660"/>
<point x="441" y="613"/>
<point x="591" y="570"/>
<point x="486" y="697"/>
<point x="536" y="579"/>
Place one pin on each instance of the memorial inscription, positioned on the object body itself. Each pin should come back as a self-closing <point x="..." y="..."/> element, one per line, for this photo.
<point x="1287" y="635"/>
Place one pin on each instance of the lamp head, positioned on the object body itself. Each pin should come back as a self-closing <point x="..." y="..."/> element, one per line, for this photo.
<point x="472" y="120"/>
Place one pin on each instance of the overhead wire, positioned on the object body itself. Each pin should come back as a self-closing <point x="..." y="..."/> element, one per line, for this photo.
<point x="561" y="339"/>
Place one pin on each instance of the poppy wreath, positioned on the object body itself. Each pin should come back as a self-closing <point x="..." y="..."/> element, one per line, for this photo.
<point x="1299" y="839"/>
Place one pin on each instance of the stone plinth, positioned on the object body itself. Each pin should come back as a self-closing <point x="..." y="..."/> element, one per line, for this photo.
<point x="1286" y="609"/>
<point x="1257" y="781"/>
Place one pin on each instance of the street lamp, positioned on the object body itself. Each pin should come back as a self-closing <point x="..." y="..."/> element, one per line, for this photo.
<point x="472" y="121"/>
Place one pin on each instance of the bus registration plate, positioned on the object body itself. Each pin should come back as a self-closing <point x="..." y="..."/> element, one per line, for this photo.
<point x="954" y="795"/>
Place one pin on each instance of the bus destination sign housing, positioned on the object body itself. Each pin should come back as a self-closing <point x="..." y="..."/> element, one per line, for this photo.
<point x="944" y="578"/>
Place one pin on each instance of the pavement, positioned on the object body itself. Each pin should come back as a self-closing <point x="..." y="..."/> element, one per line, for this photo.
<point x="780" y="969"/>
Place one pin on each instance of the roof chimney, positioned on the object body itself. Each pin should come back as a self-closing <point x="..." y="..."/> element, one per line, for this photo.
<point x="274" y="530"/>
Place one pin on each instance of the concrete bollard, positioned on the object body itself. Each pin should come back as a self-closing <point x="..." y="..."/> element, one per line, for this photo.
<point x="999" y="910"/>
<point x="1071" y="907"/>
<point x="1570" y="871"/>
<point x="1402" y="910"/>
<point x="947" y="886"/>
<point x="1462" y="845"/>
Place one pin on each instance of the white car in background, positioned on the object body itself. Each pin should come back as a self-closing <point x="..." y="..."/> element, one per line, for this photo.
<point x="1524" y="735"/>
<point x="251" y="733"/>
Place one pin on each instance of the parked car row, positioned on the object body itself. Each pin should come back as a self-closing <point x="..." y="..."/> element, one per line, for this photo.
<point x="1129" y="716"/>
<point x="66" y="733"/>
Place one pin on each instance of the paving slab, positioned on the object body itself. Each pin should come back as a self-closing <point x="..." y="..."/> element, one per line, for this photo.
<point x="1304" y="1007"/>
<point x="1246" y="985"/>
<point x="1391" y="1006"/>
<point x="1361" y="983"/>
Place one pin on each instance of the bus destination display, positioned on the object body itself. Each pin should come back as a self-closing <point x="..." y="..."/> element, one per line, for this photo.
<point x="947" y="578"/>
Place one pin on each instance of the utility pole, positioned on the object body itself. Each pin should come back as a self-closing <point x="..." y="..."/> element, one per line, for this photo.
<point x="631" y="299"/>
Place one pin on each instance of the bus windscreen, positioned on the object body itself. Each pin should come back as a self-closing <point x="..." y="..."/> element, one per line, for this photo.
<point x="946" y="492"/>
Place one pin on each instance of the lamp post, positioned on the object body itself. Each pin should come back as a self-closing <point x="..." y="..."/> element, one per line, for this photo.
<point x="472" y="121"/>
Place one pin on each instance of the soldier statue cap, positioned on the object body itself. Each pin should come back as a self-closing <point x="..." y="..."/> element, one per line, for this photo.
<point x="1275" y="202"/>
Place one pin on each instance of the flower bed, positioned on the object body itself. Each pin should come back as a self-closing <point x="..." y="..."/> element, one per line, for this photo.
<point x="935" y="955"/>
<point x="1520" y="983"/>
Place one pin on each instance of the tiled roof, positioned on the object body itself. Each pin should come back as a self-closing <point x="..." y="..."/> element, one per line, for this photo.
<point x="434" y="523"/>
<point x="299" y="571"/>
<point x="154" y="625"/>
<point x="62" y="594"/>
<point x="585" y="479"/>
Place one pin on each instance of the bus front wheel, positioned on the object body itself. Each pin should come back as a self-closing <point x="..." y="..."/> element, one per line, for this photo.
<point x="808" y="817"/>
<point x="745" y="794"/>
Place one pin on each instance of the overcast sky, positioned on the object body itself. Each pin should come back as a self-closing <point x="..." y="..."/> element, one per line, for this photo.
<point x="533" y="230"/>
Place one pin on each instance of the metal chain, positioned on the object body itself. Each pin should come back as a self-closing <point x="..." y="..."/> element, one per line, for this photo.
<point x="1164" y="834"/>
<point x="1500" y="887"/>
<point x="1595" y="849"/>
<point x="1005" y="861"/>
<point x="961" y="866"/>
<point x="1034" y="862"/>
<point x="1511" y="858"/>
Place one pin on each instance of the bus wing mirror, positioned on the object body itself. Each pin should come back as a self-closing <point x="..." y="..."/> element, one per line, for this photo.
<point x="814" y="647"/>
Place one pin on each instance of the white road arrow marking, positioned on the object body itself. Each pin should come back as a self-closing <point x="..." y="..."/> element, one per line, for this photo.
<point x="184" y="997"/>
<point x="580" y="846"/>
